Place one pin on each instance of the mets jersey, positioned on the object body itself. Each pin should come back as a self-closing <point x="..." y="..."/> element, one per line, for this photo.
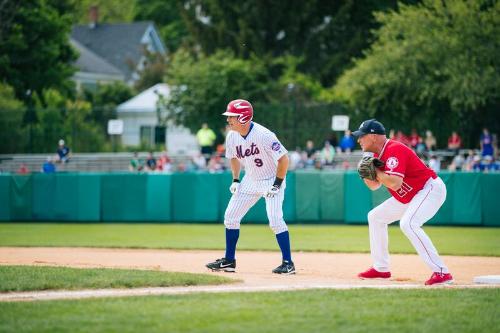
<point x="258" y="152"/>
<point x="401" y="161"/>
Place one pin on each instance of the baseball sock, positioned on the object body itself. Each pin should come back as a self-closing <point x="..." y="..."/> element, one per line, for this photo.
<point x="232" y="236"/>
<point x="284" y="243"/>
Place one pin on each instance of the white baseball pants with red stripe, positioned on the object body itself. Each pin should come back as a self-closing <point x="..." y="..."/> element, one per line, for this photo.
<point x="411" y="217"/>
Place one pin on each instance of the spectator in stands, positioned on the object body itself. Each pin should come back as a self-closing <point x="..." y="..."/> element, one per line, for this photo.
<point x="295" y="159"/>
<point x="23" y="169"/>
<point x="215" y="165"/>
<point x="347" y="143"/>
<point x="476" y="164"/>
<point x="48" y="166"/>
<point x="454" y="143"/>
<point x="151" y="162"/>
<point x="327" y="154"/>
<point x="469" y="160"/>
<point x="401" y="137"/>
<point x="206" y="138"/>
<point x="164" y="163"/>
<point x="199" y="161"/>
<point x="318" y="165"/>
<point x="310" y="150"/>
<point x="305" y="162"/>
<point x="414" y="138"/>
<point x="136" y="164"/>
<point x="420" y="148"/>
<point x="489" y="165"/>
<point x="333" y="140"/>
<point x="495" y="145"/>
<point x="63" y="152"/>
<point x="430" y="141"/>
<point x="220" y="150"/>
<point x="435" y="163"/>
<point x="486" y="143"/>
<point x="458" y="163"/>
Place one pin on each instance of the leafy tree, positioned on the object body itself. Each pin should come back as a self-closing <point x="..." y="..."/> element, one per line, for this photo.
<point x="433" y="64"/>
<point x="35" y="53"/>
<point x="68" y="120"/>
<point x="104" y="101"/>
<point x="153" y="71"/>
<point x="12" y="135"/>
<point x="109" y="11"/>
<point x="167" y="18"/>
<point x="201" y="88"/>
<point x="327" y="34"/>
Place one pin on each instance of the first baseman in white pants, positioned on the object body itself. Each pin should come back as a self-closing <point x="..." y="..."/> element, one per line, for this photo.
<point x="411" y="217"/>
<point x="417" y="194"/>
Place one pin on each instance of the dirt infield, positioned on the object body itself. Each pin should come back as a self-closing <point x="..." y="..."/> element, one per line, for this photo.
<point x="314" y="270"/>
<point x="254" y="268"/>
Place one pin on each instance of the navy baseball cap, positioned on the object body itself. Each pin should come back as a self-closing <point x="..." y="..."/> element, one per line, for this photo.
<point x="371" y="126"/>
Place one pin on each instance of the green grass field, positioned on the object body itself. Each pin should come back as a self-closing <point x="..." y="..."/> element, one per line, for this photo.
<point x="441" y="310"/>
<point x="329" y="238"/>
<point x="359" y="310"/>
<point x="25" y="278"/>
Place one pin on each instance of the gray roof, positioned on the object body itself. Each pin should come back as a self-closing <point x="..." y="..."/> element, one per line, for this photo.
<point x="88" y="61"/>
<point x="119" y="44"/>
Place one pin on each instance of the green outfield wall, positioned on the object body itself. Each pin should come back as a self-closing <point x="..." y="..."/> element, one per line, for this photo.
<point x="311" y="197"/>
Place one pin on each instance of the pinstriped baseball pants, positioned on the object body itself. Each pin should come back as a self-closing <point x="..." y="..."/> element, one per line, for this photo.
<point x="411" y="217"/>
<point x="241" y="203"/>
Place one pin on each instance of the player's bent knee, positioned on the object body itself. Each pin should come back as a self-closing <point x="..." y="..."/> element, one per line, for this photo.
<point x="278" y="227"/>
<point x="231" y="224"/>
<point x="372" y="216"/>
<point x="405" y="227"/>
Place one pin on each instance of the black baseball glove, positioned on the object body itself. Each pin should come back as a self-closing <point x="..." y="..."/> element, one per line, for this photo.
<point x="367" y="167"/>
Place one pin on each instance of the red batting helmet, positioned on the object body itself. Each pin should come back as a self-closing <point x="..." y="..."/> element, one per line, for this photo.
<point x="241" y="109"/>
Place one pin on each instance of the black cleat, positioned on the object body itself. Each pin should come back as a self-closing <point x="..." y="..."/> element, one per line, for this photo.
<point x="222" y="265"/>
<point x="286" y="268"/>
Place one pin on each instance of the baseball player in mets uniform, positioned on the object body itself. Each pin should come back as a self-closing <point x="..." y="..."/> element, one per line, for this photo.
<point x="417" y="194"/>
<point x="265" y="160"/>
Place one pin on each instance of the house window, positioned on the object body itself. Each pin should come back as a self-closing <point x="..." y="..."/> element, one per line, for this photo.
<point x="153" y="135"/>
<point x="146" y="136"/>
<point x="160" y="133"/>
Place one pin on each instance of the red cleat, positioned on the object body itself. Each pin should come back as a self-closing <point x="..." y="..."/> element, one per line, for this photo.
<point x="439" y="278"/>
<point x="372" y="273"/>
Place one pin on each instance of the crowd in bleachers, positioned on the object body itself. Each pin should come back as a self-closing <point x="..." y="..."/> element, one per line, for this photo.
<point x="334" y="154"/>
<point x="331" y="154"/>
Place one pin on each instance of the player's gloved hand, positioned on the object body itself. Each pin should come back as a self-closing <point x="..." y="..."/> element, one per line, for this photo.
<point x="273" y="191"/>
<point x="367" y="167"/>
<point x="234" y="186"/>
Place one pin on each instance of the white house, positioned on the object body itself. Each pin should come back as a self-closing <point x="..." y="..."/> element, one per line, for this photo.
<point x="140" y="123"/>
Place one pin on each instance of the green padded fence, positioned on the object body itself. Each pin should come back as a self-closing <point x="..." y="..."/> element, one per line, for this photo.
<point x="332" y="197"/>
<point x="66" y="197"/>
<point x="4" y="198"/>
<point x="123" y="197"/>
<point x="307" y="197"/>
<point x="20" y="198"/>
<point x="490" y="202"/>
<point x="358" y="199"/>
<point x="195" y="197"/>
<point x="310" y="197"/>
